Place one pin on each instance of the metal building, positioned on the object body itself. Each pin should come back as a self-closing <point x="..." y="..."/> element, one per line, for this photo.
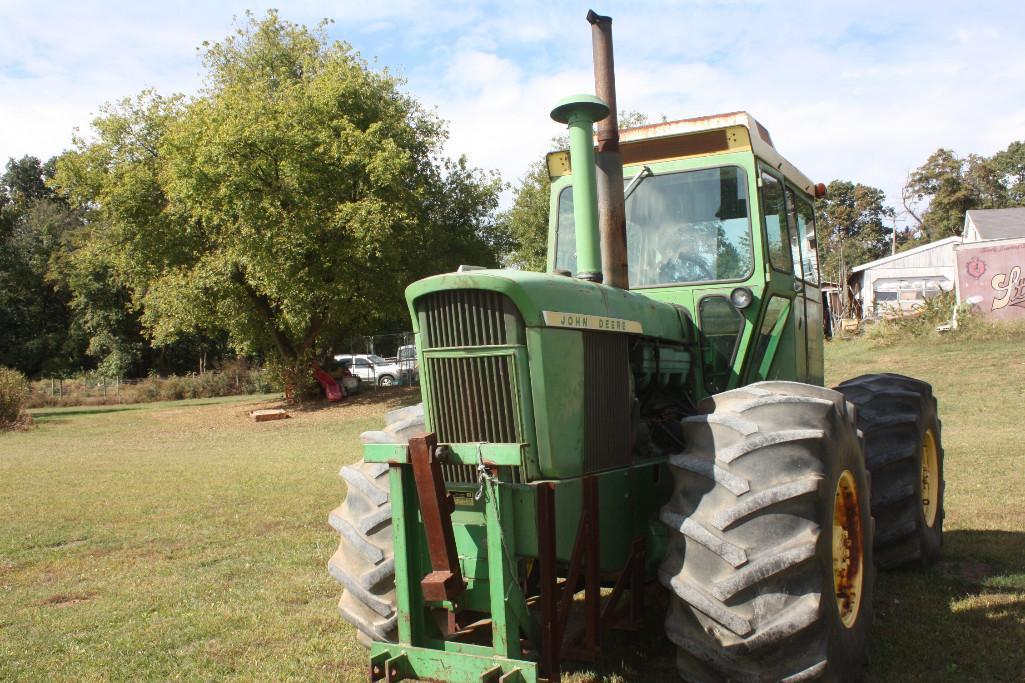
<point x="904" y="281"/>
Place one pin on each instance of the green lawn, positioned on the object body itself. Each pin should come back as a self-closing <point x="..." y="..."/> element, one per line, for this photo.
<point x="182" y="541"/>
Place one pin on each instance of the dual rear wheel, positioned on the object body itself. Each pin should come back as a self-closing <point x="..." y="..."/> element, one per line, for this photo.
<point x="786" y="498"/>
<point x="770" y="562"/>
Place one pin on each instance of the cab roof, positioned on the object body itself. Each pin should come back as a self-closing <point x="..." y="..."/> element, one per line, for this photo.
<point x="704" y="135"/>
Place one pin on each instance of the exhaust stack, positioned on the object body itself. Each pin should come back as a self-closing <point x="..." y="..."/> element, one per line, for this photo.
<point x="579" y="112"/>
<point x="611" y="200"/>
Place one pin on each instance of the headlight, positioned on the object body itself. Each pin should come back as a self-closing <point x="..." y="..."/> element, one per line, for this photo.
<point x="741" y="298"/>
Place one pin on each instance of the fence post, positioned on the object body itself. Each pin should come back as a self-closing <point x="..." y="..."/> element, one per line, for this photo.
<point x="60" y="386"/>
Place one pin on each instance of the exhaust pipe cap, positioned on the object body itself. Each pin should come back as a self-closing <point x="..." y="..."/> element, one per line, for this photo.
<point x="591" y="108"/>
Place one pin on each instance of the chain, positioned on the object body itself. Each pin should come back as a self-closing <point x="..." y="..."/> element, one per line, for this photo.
<point x="484" y="477"/>
<point x="483" y="473"/>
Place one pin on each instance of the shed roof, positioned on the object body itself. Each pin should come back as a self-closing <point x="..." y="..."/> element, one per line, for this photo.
<point x="902" y="254"/>
<point x="997" y="224"/>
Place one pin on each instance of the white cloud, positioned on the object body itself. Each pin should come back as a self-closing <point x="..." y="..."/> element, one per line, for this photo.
<point x="864" y="92"/>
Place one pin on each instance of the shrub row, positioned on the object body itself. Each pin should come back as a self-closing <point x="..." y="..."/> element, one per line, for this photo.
<point x="232" y="379"/>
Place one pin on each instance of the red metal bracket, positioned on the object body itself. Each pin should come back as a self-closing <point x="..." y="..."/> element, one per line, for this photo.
<point x="557" y="600"/>
<point x="445" y="582"/>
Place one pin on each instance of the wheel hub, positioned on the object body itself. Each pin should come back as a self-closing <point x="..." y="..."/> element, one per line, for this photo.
<point x="930" y="478"/>
<point x="848" y="549"/>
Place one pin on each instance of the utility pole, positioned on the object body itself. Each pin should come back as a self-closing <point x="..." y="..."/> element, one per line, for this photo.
<point x="893" y="234"/>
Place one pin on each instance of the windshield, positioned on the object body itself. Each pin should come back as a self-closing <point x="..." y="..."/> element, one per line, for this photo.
<point x="377" y="360"/>
<point x="691" y="226"/>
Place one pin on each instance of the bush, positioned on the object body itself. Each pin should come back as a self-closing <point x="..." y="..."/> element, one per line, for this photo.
<point x="937" y="313"/>
<point x="921" y="322"/>
<point x="233" y="378"/>
<point x="14" y="394"/>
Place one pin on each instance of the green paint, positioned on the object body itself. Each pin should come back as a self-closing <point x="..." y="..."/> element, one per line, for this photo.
<point x="452" y="664"/>
<point x="580" y="112"/>
<point x="496" y="533"/>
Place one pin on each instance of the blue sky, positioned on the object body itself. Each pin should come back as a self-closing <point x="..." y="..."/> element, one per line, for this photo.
<point x="862" y="91"/>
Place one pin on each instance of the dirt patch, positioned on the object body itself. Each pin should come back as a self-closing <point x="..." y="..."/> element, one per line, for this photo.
<point x="65" y="600"/>
<point x="63" y="545"/>
<point x="969" y="571"/>
<point x="217" y="417"/>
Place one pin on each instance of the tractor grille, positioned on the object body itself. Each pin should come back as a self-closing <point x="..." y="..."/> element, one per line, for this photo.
<point x="607" y="398"/>
<point x="467" y="474"/>
<point x="472" y="399"/>
<point x="465" y="317"/>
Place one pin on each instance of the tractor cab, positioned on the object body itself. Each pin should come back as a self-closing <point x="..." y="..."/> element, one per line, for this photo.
<point x="717" y="221"/>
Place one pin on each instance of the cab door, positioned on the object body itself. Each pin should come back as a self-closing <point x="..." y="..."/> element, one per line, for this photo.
<point x="791" y="354"/>
<point x="802" y="213"/>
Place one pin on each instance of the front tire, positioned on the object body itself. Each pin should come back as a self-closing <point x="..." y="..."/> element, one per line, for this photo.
<point x="770" y="559"/>
<point x="386" y="380"/>
<point x="904" y="453"/>
<point x="365" y="560"/>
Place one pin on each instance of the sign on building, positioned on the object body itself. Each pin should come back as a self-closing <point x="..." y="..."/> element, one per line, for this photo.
<point x="991" y="277"/>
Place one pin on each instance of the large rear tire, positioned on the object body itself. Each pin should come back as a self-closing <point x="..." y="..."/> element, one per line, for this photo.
<point x="904" y="453"/>
<point x="770" y="560"/>
<point x="365" y="560"/>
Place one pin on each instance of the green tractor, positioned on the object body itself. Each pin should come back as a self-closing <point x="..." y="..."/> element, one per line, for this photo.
<point x="650" y="409"/>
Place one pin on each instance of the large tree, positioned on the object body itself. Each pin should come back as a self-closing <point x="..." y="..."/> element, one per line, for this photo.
<point x="939" y="192"/>
<point x="35" y="320"/>
<point x="288" y="204"/>
<point x="525" y="224"/>
<point x="852" y="227"/>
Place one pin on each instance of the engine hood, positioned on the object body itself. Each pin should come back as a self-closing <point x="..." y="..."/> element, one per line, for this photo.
<point x="546" y="300"/>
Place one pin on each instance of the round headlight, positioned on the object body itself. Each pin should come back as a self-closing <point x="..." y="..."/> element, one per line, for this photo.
<point x="741" y="297"/>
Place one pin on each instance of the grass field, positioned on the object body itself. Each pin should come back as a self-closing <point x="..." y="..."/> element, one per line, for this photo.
<point x="182" y="541"/>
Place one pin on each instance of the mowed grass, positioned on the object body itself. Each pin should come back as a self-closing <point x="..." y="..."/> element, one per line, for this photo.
<point x="176" y="541"/>
<point x="964" y="619"/>
<point x="182" y="541"/>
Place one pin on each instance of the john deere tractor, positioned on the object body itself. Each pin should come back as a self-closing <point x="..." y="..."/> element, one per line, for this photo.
<point x="649" y="410"/>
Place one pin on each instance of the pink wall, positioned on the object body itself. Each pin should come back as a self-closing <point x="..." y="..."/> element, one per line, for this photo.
<point x="994" y="274"/>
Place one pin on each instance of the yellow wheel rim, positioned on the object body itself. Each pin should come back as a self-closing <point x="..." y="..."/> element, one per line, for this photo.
<point x="848" y="549"/>
<point x="930" y="478"/>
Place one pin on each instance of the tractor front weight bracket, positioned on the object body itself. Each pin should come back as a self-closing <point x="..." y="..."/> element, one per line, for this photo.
<point x="461" y="571"/>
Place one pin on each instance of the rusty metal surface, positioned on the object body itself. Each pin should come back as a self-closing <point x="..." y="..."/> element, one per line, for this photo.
<point x="445" y="581"/>
<point x="609" y="178"/>
<point x="548" y="581"/>
<point x="632" y="579"/>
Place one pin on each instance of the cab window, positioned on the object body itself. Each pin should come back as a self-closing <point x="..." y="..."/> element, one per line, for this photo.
<point x="805" y="214"/>
<point x="681" y="227"/>
<point x="774" y="219"/>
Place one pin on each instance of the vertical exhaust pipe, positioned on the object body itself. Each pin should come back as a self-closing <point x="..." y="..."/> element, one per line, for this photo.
<point x="579" y="112"/>
<point x="611" y="201"/>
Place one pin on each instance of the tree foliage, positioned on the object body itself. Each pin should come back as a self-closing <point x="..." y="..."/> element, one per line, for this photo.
<point x="525" y="224"/>
<point x="34" y="226"/>
<point x="851" y="226"/>
<point x="290" y="201"/>
<point x="947" y="186"/>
